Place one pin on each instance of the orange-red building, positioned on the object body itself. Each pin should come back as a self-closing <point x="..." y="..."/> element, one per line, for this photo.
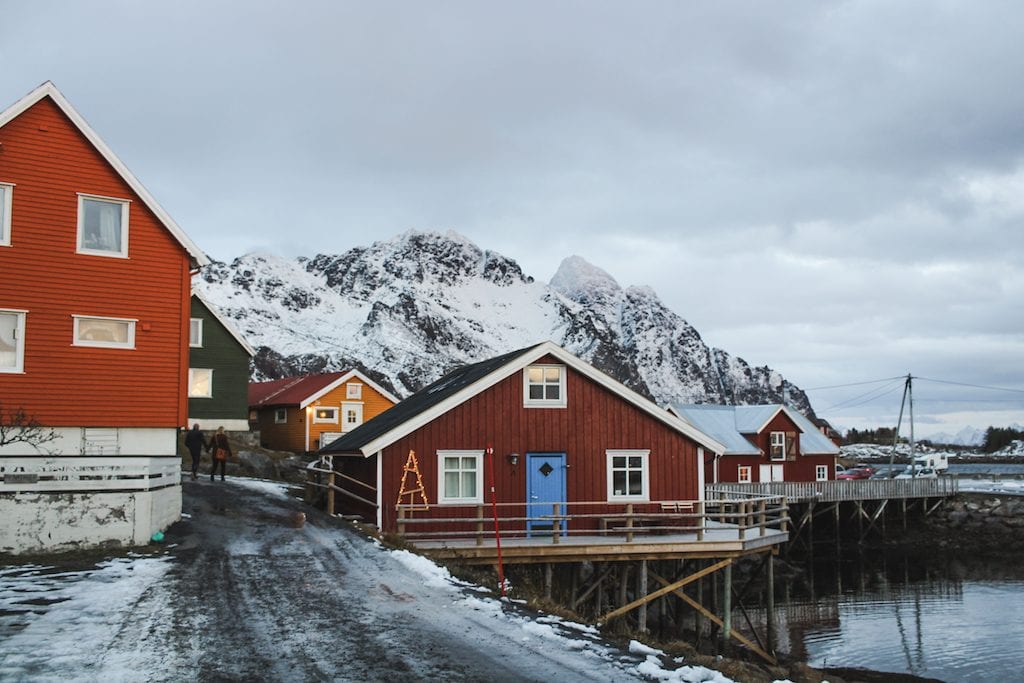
<point x="301" y="414"/>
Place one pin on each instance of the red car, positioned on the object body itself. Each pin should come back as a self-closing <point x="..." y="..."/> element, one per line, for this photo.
<point x="856" y="473"/>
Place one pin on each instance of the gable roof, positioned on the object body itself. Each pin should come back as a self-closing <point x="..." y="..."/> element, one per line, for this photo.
<point x="468" y="381"/>
<point x="729" y="424"/>
<point x="48" y="89"/>
<point x="303" y="390"/>
<point x="225" y="323"/>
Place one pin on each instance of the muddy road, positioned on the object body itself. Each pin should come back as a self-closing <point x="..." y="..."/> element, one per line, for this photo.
<point x="249" y="596"/>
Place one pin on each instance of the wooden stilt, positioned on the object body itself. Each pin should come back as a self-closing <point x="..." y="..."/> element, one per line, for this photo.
<point x="641" y="589"/>
<point x="770" y="580"/>
<point x="726" y="606"/>
<point x="547" y="580"/>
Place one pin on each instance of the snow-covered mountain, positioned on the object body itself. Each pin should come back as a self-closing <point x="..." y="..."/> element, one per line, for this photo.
<point x="409" y="309"/>
<point x="968" y="436"/>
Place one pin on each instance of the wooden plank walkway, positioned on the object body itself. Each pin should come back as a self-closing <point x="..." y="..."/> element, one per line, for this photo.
<point x="841" y="490"/>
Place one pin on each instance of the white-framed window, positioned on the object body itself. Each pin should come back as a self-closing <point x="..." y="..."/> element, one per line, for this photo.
<point x="821" y="473"/>
<point x="743" y="474"/>
<point x="778" y="446"/>
<point x="354" y="390"/>
<point x="281" y="416"/>
<point x="12" y="341"/>
<point x="102" y="226"/>
<point x="352" y="416"/>
<point x="544" y="386"/>
<point x="200" y="383"/>
<point x="112" y="333"/>
<point x="6" y="200"/>
<point x="460" y="476"/>
<point x="325" y="415"/>
<point x="628" y="475"/>
<point x="195" y="332"/>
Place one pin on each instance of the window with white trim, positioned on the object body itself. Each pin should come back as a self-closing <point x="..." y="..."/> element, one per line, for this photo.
<point x="6" y="199"/>
<point x="195" y="332"/>
<point x="821" y="473"/>
<point x="354" y="390"/>
<point x="628" y="475"/>
<point x="544" y="386"/>
<point x="102" y="226"/>
<point x="281" y="416"/>
<point x="113" y="333"/>
<point x="12" y="341"/>
<point x="778" y="446"/>
<point x="352" y="413"/>
<point x="200" y="383"/>
<point x="743" y="474"/>
<point x="325" y="415"/>
<point x="460" y="476"/>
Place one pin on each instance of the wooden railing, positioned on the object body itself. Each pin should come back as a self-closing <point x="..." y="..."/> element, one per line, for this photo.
<point x="841" y="490"/>
<point x="321" y="474"/>
<point x="746" y="515"/>
<point x="23" y="474"/>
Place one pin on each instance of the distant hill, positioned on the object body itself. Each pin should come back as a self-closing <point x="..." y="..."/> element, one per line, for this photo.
<point x="409" y="309"/>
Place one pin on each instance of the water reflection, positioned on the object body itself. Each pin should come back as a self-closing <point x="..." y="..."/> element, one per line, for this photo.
<point x="951" y="618"/>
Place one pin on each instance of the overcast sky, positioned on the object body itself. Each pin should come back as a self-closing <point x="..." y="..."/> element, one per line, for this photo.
<point x="833" y="189"/>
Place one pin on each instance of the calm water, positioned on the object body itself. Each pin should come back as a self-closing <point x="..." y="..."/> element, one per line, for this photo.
<point x="953" y="619"/>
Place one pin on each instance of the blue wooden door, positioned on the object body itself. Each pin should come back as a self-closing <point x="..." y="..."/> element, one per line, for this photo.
<point x="545" y="483"/>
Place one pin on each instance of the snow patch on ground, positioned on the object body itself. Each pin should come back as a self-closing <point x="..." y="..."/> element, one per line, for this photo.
<point x="273" y="488"/>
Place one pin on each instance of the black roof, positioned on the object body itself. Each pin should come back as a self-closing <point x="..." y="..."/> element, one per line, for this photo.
<point x="421" y="401"/>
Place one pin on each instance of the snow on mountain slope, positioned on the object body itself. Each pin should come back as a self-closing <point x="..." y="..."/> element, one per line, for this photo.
<point x="408" y="309"/>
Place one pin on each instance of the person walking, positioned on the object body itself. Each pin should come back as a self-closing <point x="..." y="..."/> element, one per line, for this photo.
<point x="221" y="452"/>
<point x="195" y="442"/>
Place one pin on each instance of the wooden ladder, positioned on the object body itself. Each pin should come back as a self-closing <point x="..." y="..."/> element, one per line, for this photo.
<point x="413" y="466"/>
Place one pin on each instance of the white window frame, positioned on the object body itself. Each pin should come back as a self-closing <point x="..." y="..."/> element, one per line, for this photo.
<point x="528" y="402"/>
<point x="645" y="474"/>
<point x="744" y="474"/>
<point x="354" y="390"/>
<point x="191" y="381"/>
<point x="19" y="341"/>
<point x="821" y="473"/>
<point x="124" y="203"/>
<point x="77" y="341"/>
<point x="478" y="456"/>
<point x="195" y="333"/>
<point x="772" y="445"/>
<point x="325" y="420"/>
<point x="281" y="416"/>
<point x="6" y="202"/>
<point x="347" y="426"/>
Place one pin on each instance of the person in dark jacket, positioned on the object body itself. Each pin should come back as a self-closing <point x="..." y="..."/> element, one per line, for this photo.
<point x="221" y="452"/>
<point x="195" y="443"/>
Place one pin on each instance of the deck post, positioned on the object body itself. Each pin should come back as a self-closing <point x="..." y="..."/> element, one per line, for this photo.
<point x="641" y="589"/>
<point x="742" y="520"/>
<point x="629" y="522"/>
<point x="770" y="579"/>
<point x="700" y="520"/>
<point x="479" y="524"/>
<point x="726" y="605"/>
<point x="401" y="520"/>
<point x="762" y="516"/>
<point x="330" y="492"/>
<point x="556" y="523"/>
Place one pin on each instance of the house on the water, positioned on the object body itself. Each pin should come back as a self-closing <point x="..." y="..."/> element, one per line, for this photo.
<point x="301" y="414"/>
<point x="218" y="370"/>
<point x="94" y="346"/>
<point x="763" y="443"/>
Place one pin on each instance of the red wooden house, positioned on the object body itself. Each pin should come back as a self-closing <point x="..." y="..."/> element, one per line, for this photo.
<point x="94" y="298"/>
<point x="546" y="427"/>
<point x="763" y="443"/>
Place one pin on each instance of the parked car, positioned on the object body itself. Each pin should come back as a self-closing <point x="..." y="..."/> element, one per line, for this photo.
<point x="855" y="473"/>
<point x="923" y="473"/>
<point x="886" y="473"/>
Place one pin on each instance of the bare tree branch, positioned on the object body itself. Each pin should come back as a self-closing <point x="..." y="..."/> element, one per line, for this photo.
<point x="17" y="426"/>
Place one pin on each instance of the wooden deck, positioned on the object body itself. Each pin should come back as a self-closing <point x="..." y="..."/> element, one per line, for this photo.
<point x="841" y="490"/>
<point x="719" y="540"/>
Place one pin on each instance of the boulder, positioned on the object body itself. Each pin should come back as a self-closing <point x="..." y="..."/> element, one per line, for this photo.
<point x="257" y="464"/>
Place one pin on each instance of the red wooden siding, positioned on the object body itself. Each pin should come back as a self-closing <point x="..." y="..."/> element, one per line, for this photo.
<point x="796" y="467"/>
<point x="594" y="420"/>
<point x="50" y="161"/>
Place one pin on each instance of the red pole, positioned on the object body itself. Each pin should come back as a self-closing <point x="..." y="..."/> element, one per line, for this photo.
<point x="497" y="532"/>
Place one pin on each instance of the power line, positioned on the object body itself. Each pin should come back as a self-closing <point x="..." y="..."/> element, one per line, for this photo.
<point x="867" y="396"/>
<point x="975" y="386"/>
<point x="857" y="384"/>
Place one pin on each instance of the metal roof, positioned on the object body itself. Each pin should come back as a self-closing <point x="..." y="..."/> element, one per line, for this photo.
<point x="729" y="424"/>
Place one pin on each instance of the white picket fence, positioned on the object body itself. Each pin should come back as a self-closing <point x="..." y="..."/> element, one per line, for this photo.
<point x="22" y="474"/>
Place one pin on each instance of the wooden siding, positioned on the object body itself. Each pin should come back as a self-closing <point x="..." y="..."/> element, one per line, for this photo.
<point x="594" y="420"/>
<point x="229" y="361"/>
<point x="289" y="436"/>
<point x="795" y="467"/>
<point x="50" y="161"/>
